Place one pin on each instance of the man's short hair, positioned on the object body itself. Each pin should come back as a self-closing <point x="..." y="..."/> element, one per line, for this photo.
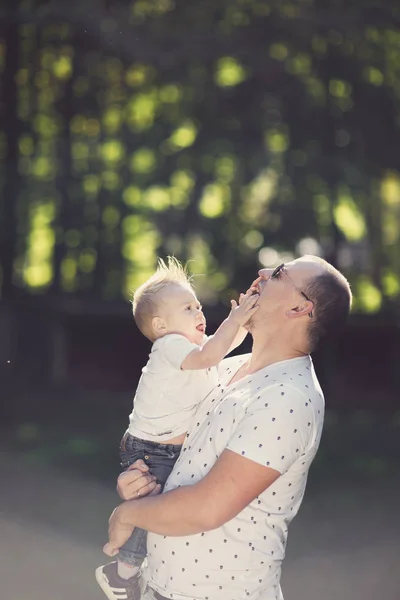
<point x="147" y="298"/>
<point x="330" y="291"/>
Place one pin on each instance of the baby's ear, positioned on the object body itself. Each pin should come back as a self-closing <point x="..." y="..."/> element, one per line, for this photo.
<point x="158" y="326"/>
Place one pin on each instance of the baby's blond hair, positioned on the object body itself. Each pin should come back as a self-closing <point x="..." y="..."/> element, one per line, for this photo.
<point x="146" y="299"/>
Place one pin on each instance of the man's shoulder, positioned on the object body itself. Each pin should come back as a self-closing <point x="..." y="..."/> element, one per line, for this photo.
<point x="289" y="380"/>
<point x="233" y="362"/>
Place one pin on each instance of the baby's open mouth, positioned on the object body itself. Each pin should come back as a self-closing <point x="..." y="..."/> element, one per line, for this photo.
<point x="201" y="327"/>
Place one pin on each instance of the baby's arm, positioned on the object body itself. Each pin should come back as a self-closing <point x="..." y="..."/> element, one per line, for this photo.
<point x="214" y="350"/>
<point x="242" y="333"/>
<point x="238" y="339"/>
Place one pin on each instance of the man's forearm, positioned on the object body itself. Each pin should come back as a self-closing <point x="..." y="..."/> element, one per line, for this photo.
<point x="177" y="513"/>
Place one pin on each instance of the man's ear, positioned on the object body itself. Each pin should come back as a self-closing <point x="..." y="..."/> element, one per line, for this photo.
<point x="305" y="308"/>
<point x="158" y="325"/>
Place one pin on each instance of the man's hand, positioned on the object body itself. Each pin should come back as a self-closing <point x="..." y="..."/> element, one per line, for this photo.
<point x="246" y="308"/>
<point x="132" y="484"/>
<point x="136" y="482"/>
<point x="118" y="532"/>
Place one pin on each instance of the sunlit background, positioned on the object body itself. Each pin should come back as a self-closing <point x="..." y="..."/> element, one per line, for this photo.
<point x="233" y="134"/>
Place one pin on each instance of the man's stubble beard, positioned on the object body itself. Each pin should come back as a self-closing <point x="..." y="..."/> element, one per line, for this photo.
<point x="266" y="318"/>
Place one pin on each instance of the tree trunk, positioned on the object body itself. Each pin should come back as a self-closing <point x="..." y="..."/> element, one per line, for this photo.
<point x="11" y="175"/>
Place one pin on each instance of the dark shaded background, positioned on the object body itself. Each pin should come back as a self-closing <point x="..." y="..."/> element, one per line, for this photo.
<point x="232" y="134"/>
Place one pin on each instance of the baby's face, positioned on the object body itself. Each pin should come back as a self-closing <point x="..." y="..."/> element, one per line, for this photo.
<point x="182" y="313"/>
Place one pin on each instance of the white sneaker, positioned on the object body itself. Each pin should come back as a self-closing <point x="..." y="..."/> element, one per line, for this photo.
<point x="114" y="586"/>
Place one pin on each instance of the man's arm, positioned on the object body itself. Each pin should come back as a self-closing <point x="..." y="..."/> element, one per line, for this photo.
<point x="220" y="344"/>
<point x="227" y="489"/>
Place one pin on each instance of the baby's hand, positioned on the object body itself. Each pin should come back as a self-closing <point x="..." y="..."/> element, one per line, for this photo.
<point x="253" y="287"/>
<point x="246" y="308"/>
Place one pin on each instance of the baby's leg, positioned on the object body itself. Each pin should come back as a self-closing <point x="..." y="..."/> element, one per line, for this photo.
<point x="120" y="578"/>
<point x="160" y="458"/>
<point x="132" y="554"/>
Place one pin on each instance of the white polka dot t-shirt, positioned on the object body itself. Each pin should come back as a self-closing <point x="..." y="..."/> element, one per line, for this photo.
<point x="273" y="417"/>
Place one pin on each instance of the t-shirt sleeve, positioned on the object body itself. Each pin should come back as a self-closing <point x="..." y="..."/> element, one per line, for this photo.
<point x="276" y="428"/>
<point x="176" y="348"/>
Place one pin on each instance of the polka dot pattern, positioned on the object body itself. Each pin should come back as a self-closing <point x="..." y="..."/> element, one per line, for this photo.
<point x="272" y="418"/>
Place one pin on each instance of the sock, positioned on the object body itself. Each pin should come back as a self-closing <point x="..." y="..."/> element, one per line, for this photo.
<point x="126" y="571"/>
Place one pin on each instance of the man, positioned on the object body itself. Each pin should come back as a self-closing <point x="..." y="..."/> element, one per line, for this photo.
<point x="219" y="530"/>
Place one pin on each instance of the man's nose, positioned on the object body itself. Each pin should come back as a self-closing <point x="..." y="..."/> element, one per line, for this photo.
<point x="265" y="273"/>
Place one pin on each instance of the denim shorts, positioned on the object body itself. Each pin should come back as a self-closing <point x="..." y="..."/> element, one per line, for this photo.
<point x="160" y="458"/>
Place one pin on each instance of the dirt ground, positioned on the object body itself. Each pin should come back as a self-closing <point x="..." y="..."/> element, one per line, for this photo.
<point x="344" y="544"/>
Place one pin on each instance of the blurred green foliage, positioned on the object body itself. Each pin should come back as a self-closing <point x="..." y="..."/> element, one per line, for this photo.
<point x="231" y="135"/>
<point x="368" y="448"/>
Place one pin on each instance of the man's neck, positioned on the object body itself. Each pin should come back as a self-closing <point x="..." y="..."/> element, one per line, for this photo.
<point x="267" y="351"/>
<point x="261" y="357"/>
